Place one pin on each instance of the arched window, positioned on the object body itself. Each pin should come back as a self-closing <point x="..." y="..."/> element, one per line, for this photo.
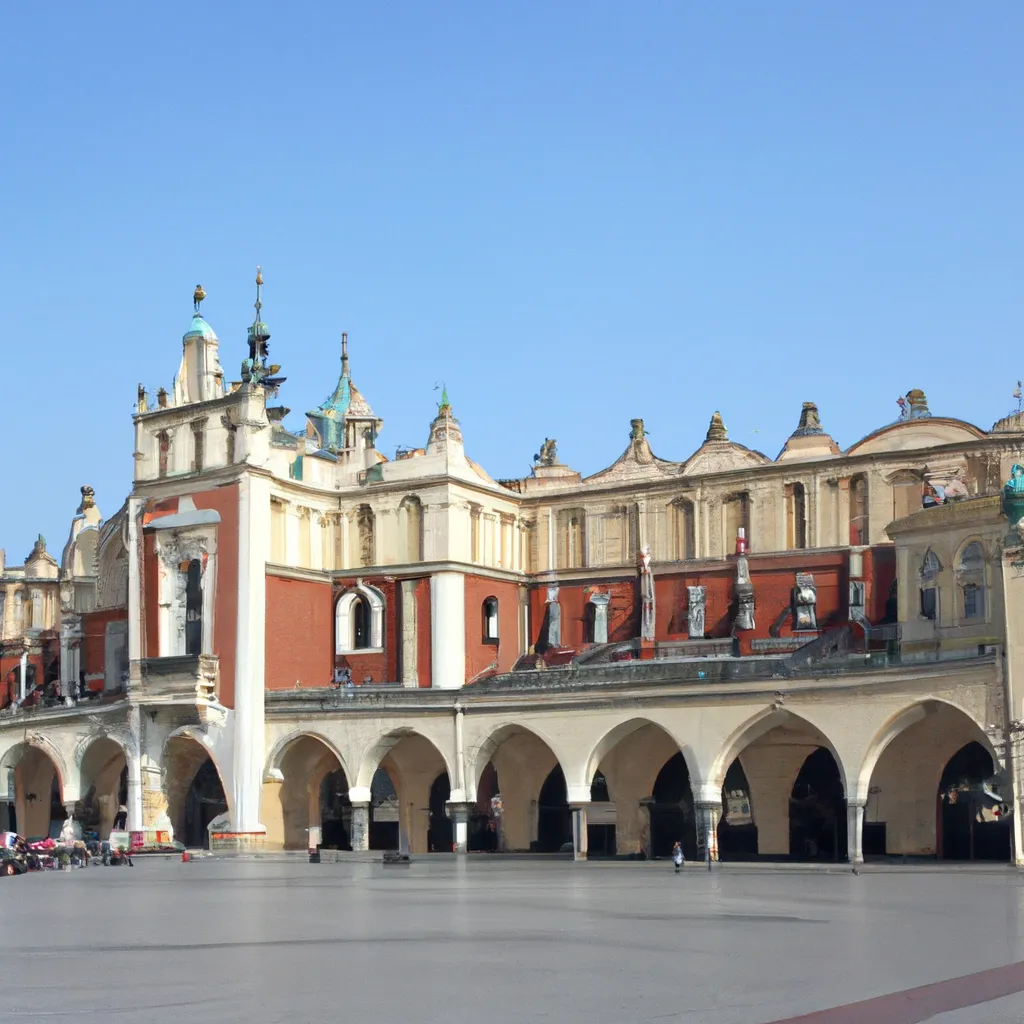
<point x="681" y="528"/>
<point x="736" y="509"/>
<point x="359" y="621"/>
<point x="163" y="444"/>
<point x="970" y="572"/>
<point x="930" y="569"/>
<point x="410" y="530"/>
<point x="796" y="516"/>
<point x="490" y="614"/>
<point x="859" y="518"/>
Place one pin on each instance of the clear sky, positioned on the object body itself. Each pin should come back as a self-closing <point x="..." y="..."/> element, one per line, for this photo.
<point x="571" y="213"/>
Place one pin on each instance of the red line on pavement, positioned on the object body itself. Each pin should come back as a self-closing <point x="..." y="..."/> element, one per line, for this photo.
<point x="914" y="1005"/>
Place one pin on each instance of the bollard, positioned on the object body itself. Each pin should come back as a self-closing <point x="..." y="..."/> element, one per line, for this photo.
<point x="185" y="858"/>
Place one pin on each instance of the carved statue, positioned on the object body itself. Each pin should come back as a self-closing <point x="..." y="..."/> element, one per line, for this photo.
<point x="744" y="595"/>
<point x="88" y="498"/>
<point x="143" y="405"/>
<point x="646" y="595"/>
<point x="805" y="599"/>
<point x="554" y="617"/>
<point x="636" y="431"/>
<point x="695" y="612"/>
<point x="548" y="455"/>
<point x="1013" y="495"/>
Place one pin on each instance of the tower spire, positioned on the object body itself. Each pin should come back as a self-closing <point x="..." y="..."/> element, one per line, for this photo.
<point x="344" y="354"/>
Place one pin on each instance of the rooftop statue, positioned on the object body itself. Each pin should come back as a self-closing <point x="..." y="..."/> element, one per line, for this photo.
<point x="1013" y="495"/>
<point x="548" y="454"/>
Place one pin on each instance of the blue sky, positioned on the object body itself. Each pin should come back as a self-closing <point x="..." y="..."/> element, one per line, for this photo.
<point x="573" y="214"/>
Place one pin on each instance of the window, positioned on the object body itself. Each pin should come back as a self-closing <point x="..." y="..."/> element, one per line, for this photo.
<point x="163" y="444"/>
<point x="359" y="620"/>
<point x="570" y="538"/>
<point x="194" y="608"/>
<point x="796" y="516"/>
<point x="859" y="518"/>
<point x="681" y="527"/>
<point x="974" y="602"/>
<point x="197" y="447"/>
<point x="970" y="573"/>
<point x="737" y="517"/>
<point x="490" y="616"/>
<point x="930" y="569"/>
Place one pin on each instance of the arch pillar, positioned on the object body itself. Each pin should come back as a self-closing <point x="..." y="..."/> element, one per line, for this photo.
<point x="272" y="808"/>
<point x="855" y="830"/>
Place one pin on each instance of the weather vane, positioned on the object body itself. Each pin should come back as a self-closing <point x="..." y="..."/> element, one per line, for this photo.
<point x="1019" y="395"/>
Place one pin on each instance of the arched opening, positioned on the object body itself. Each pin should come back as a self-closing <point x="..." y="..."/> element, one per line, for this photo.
<point x="360" y="624"/>
<point x="484" y="821"/>
<point x="681" y="528"/>
<point x="104" y="786"/>
<point x="38" y="808"/>
<point x="929" y="784"/>
<point x="313" y="794"/>
<point x="973" y="821"/>
<point x="407" y="811"/>
<point x="600" y="819"/>
<point x="195" y="793"/>
<point x="194" y="608"/>
<point x="384" y="812"/>
<point x="783" y="792"/>
<point x="796" y="516"/>
<point x="737" y="833"/>
<point x="817" y="810"/>
<point x="672" y="811"/>
<point x="359" y="620"/>
<point x="489" y="611"/>
<point x="440" y="833"/>
<point x="514" y="765"/>
<point x="554" y="819"/>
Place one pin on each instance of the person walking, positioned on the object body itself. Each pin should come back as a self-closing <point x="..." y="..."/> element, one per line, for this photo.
<point x="121" y="818"/>
<point x="677" y="857"/>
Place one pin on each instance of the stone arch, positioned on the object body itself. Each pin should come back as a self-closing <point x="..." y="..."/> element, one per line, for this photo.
<point x="102" y="760"/>
<point x="359" y="620"/>
<point x="293" y="806"/>
<point x="531" y="780"/>
<point x="901" y="776"/>
<point x="622" y="731"/>
<point x="478" y="759"/>
<point x="379" y="750"/>
<point x="898" y="724"/>
<point x="193" y="784"/>
<point x="281" y="746"/>
<point x="759" y="725"/>
<point x="68" y="780"/>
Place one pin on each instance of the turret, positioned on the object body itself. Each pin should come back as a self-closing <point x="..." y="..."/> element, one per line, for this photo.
<point x="200" y="377"/>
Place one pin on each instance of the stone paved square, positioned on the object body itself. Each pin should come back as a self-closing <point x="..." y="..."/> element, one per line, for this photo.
<point x="497" y="940"/>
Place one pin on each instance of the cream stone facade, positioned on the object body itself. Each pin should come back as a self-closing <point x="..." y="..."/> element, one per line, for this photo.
<point x="284" y="638"/>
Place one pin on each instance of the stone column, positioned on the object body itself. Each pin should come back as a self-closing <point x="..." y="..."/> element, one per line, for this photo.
<point x="409" y="674"/>
<point x="154" y="800"/>
<point x="459" y="814"/>
<point x="579" y="832"/>
<point x="855" y="831"/>
<point x="708" y="816"/>
<point x="844" y="511"/>
<point x="447" y="630"/>
<point x="361" y="826"/>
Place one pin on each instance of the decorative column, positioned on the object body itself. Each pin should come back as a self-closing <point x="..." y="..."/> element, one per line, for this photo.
<point x="360" y="828"/>
<point x="459" y="814"/>
<point x="249" y="738"/>
<point x="708" y="816"/>
<point x="579" y="832"/>
<point x="844" y="511"/>
<point x="855" y="831"/>
<point x="134" y="759"/>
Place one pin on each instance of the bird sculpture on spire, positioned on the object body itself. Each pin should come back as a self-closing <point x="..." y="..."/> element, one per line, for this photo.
<point x="197" y="297"/>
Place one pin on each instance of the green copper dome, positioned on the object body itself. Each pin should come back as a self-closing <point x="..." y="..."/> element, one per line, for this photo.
<point x="199" y="328"/>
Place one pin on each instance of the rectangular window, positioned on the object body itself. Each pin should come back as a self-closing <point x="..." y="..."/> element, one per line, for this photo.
<point x="974" y="603"/>
<point x="928" y="602"/>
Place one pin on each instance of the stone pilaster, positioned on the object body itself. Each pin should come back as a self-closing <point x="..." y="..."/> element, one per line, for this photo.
<point x="360" y="826"/>
<point x="855" y="831"/>
<point x="708" y="816"/>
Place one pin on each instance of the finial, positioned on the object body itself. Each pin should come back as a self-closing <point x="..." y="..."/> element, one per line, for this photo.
<point x="444" y="403"/>
<point x="1018" y="394"/>
<point x="716" y="429"/>
<point x="197" y="297"/>
<point x="259" y="285"/>
<point x="344" y="354"/>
